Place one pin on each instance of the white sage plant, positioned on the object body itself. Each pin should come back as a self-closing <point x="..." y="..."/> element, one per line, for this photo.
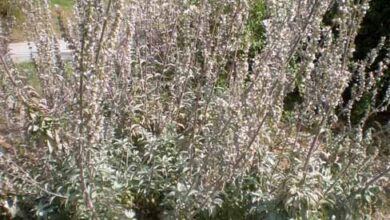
<point x="164" y="112"/>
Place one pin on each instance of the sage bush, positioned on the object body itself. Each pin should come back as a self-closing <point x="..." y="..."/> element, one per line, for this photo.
<point x="176" y="110"/>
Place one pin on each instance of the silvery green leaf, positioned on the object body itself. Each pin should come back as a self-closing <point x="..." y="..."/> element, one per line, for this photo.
<point x="129" y="214"/>
<point x="181" y="187"/>
<point x="218" y="202"/>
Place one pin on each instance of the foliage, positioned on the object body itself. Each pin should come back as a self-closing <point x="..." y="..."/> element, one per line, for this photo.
<point x="8" y="9"/>
<point x="373" y="32"/>
<point x="257" y="14"/>
<point x="67" y="4"/>
<point x="176" y="110"/>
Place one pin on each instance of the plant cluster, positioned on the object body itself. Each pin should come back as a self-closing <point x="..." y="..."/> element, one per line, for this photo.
<point x="176" y="110"/>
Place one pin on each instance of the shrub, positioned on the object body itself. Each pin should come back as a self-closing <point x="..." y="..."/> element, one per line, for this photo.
<point x="137" y="124"/>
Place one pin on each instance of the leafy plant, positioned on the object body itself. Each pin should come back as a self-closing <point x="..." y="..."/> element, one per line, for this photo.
<point x="177" y="110"/>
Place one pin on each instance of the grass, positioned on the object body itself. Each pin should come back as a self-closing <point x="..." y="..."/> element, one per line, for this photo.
<point x="18" y="33"/>
<point x="64" y="4"/>
<point x="29" y="71"/>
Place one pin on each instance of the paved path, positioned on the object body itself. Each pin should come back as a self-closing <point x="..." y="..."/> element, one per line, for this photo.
<point x="22" y="51"/>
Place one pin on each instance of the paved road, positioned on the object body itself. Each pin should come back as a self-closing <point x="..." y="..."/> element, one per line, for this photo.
<point x="22" y="52"/>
